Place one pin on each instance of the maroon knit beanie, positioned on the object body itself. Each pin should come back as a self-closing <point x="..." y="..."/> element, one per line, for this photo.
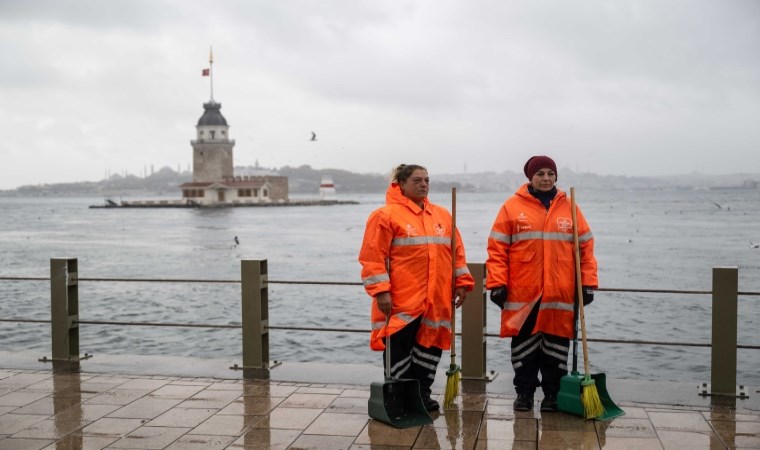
<point x="537" y="163"/>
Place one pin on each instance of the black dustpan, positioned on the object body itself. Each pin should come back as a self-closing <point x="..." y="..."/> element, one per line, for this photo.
<point x="397" y="402"/>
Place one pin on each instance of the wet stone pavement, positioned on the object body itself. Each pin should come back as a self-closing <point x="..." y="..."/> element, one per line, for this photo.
<point x="47" y="410"/>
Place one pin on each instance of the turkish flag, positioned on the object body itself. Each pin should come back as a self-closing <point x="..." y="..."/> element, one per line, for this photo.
<point x="205" y="72"/>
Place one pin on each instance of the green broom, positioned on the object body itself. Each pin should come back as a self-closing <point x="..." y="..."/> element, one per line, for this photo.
<point x="592" y="403"/>
<point x="454" y="374"/>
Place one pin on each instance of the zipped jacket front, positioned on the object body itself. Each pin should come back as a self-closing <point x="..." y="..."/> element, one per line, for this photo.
<point x="531" y="252"/>
<point x="407" y="251"/>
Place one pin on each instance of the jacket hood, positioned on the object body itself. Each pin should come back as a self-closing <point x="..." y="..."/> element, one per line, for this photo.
<point x="394" y="195"/>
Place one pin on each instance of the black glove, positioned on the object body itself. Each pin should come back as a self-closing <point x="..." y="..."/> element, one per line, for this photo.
<point x="588" y="295"/>
<point x="499" y="296"/>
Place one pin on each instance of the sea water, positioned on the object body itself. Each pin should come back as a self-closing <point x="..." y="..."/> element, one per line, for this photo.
<point x="645" y="239"/>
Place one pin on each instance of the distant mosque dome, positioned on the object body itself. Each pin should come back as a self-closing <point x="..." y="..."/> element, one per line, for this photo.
<point x="212" y="115"/>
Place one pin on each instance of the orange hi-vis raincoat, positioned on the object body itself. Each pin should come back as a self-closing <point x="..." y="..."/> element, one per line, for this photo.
<point x="416" y="243"/>
<point x="531" y="252"/>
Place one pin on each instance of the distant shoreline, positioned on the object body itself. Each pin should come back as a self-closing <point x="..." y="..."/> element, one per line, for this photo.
<point x="108" y="204"/>
<point x="157" y="196"/>
<point x="305" y="181"/>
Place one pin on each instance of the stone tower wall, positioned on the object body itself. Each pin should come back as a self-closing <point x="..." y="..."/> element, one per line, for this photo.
<point x="212" y="161"/>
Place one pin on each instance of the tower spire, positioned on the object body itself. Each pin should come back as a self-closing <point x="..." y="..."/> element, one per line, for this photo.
<point x="211" y="70"/>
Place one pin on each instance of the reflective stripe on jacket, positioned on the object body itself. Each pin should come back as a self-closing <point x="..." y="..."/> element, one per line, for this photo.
<point x="530" y="250"/>
<point x="416" y="243"/>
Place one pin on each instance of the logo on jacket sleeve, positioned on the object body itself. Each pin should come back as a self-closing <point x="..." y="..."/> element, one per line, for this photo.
<point x="564" y="224"/>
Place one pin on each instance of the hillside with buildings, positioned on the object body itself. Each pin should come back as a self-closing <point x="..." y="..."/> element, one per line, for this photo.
<point x="305" y="180"/>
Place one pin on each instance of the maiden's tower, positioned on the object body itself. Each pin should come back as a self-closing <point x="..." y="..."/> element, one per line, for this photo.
<point x="214" y="181"/>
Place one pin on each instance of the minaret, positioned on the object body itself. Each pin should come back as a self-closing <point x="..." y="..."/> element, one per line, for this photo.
<point x="212" y="149"/>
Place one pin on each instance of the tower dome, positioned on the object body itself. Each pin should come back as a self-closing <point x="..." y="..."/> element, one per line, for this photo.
<point x="212" y="149"/>
<point x="212" y="115"/>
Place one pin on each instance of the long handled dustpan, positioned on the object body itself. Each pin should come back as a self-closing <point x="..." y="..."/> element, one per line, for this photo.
<point x="570" y="397"/>
<point x="571" y="388"/>
<point x="570" y="391"/>
<point x="397" y="402"/>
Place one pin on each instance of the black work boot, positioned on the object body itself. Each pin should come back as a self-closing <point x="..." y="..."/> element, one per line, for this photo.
<point x="430" y="404"/>
<point x="425" y="393"/>
<point x="549" y="403"/>
<point x="524" y="402"/>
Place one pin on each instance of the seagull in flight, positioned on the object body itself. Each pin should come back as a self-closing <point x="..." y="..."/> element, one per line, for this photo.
<point x="313" y="136"/>
<point x="753" y="245"/>
<point x="237" y="242"/>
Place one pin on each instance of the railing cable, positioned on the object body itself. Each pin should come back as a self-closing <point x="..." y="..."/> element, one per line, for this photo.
<point x="345" y="283"/>
<point x="353" y="330"/>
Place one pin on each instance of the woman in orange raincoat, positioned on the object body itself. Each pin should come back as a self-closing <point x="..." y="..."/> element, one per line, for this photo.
<point x="407" y="270"/>
<point x="531" y="274"/>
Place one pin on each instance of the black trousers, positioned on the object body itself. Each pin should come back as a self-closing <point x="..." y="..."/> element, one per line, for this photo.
<point x="411" y="360"/>
<point x="540" y="352"/>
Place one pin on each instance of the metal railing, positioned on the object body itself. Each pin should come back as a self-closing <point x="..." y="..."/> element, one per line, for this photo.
<point x="254" y="281"/>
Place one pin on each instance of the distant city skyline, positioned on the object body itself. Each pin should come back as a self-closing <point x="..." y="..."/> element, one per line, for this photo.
<point x="298" y="175"/>
<point x="633" y="88"/>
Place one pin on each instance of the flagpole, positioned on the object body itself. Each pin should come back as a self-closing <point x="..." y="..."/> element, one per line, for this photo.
<point x="211" y="71"/>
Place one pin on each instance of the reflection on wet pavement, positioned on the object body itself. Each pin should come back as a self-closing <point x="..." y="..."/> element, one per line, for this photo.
<point x="46" y="410"/>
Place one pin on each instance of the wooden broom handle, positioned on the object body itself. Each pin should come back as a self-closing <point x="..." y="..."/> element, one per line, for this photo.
<point x="453" y="272"/>
<point x="387" y="348"/>
<point x="387" y="325"/>
<point x="579" y="287"/>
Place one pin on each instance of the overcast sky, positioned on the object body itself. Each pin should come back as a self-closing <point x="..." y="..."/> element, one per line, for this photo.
<point x="625" y="87"/>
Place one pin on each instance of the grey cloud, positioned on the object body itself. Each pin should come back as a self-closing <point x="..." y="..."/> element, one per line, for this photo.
<point x="91" y="14"/>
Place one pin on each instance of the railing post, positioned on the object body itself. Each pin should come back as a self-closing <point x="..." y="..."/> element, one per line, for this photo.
<point x="255" y="314"/>
<point x="474" y="328"/>
<point x="255" y="299"/>
<point x="64" y="309"/>
<point x="724" y="324"/>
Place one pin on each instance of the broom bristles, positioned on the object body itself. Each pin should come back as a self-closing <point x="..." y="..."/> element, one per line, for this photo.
<point x="592" y="403"/>
<point x="452" y="386"/>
